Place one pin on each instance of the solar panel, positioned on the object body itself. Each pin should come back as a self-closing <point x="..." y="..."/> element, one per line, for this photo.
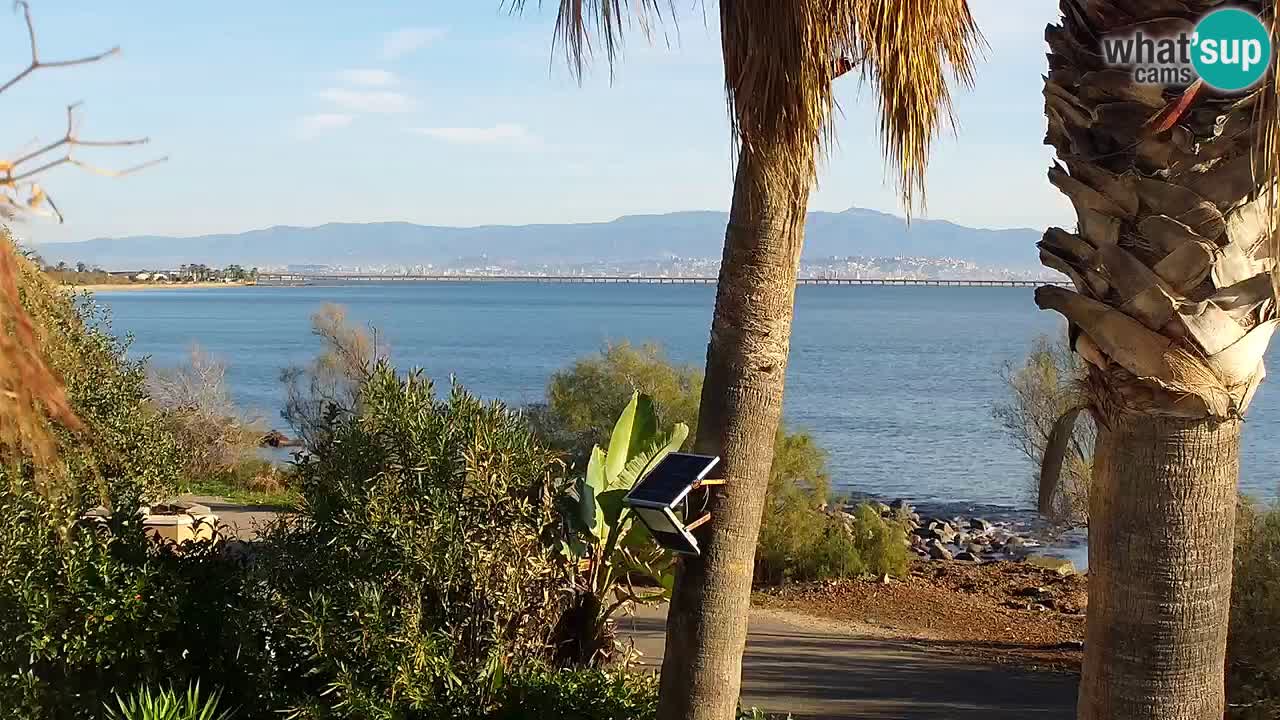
<point x="671" y="479"/>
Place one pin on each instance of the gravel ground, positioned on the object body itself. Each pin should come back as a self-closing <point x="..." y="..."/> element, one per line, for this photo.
<point x="1007" y="612"/>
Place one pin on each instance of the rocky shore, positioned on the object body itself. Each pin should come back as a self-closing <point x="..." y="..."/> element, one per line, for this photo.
<point x="967" y="539"/>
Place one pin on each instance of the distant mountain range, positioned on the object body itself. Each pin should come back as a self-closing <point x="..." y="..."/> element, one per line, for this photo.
<point x="698" y="234"/>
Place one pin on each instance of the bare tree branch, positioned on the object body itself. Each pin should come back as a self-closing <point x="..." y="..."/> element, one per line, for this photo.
<point x="11" y="171"/>
<point x="36" y="62"/>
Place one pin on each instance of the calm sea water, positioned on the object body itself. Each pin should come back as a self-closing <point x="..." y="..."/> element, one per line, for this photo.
<point x="897" y="383"/>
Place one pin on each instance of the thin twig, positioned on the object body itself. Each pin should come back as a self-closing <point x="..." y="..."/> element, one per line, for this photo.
<point x="36" y="62"/>
<point x="12" y="174"/>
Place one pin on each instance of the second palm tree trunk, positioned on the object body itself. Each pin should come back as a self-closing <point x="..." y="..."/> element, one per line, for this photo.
<point x="1161" y="530"/>
<point x="738" y="420"/>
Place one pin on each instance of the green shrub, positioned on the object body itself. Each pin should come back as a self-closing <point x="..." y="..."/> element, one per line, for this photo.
<point x="579" y="695"/>
<point x="1253" y="655"/>
<point x="800" y="544"/>
<point x="166" y="704"/>
<point x="86" y="608"/>
<point x="421" y="571"/>
<point x="126" y="449"/>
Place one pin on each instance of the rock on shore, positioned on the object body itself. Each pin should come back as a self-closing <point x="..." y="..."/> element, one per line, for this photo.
<point x="972" y="539"/>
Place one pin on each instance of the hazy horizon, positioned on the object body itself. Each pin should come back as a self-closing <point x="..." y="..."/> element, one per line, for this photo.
<point x="460" y="115"/>
<point x="18" y="228"/>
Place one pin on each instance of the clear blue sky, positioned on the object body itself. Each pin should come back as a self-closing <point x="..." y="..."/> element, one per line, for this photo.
<point x="455" y="113"/>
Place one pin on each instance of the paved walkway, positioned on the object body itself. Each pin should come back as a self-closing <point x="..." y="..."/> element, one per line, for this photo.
<point x="802" y="666"/>
<point x="243" y="520"/>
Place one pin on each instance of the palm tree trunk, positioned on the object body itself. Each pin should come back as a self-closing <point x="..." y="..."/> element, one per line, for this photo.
<point x="738" y="420"/>
<point x="1173" y="309"/>
<point x="1161" y="530"/>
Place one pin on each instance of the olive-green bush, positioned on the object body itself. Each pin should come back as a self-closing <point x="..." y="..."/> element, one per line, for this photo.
<point x="798" y="545"/>
<point x="421" y="571"/>
<point x="1253" y="655"/>
<point x="599" y="694"/>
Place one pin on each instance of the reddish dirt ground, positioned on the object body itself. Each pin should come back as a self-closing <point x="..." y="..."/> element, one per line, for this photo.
<point x="1003" y="611"/>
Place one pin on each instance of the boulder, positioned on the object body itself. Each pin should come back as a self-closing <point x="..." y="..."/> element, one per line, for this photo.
<point x="1061" y="566"/>
<point x="277" y="439"/>
<point x="879" y="507"/>
<point x="938" y="552"/>
<point x="942" y="534"/>
<point x="968" y="557"/>
<point x="980" y="525"/>
<point x="975" y="549"/>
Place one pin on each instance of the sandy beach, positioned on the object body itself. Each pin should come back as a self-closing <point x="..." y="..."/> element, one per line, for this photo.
<point x="154" y="286"/>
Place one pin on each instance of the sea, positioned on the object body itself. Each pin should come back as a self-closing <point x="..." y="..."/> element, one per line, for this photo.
<point x="896" y="383"/>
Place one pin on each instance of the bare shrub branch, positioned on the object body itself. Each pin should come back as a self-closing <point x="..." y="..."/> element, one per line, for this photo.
<point x="330" y="385"/>
<point x="193" y="398"/>
<point x="36" y="62"/>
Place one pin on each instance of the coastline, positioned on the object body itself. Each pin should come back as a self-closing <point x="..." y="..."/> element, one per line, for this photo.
<point x="102" y="287"/>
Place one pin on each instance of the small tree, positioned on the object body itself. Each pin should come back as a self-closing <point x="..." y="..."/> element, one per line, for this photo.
<point x="329" y="387"/>
<point x="1041" y="391"/>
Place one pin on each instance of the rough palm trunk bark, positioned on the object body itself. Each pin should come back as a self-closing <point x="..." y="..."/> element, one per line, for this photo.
<point x="738" y="420"/>
<point x="1161" y="529"/>
<point x="1172" y="310"/>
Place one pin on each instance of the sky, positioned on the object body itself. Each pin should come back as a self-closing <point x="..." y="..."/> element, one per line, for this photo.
<point x="458" y="113"/>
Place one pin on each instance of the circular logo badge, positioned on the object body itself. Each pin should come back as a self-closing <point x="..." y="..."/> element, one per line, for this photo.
<point x="1231" y="50"/>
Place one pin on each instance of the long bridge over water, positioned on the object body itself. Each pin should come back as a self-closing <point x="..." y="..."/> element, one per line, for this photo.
<point x="338" y="278"/>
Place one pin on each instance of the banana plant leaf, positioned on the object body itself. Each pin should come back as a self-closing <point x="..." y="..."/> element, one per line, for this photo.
<point x="635" y="429"/>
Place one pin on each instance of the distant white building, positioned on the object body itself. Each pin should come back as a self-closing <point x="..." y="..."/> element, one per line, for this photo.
<point x="142" y="276"/>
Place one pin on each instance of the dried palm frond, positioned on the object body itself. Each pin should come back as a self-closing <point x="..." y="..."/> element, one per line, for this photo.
<point x="1268" y="116"/>
<point x="28" y="388"/>
<point x="781" y="58"/>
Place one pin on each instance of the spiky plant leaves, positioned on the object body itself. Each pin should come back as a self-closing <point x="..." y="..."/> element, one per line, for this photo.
<point x="167" y="704"/>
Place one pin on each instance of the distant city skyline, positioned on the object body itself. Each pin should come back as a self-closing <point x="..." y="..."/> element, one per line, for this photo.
<point x="458" y="114"/>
